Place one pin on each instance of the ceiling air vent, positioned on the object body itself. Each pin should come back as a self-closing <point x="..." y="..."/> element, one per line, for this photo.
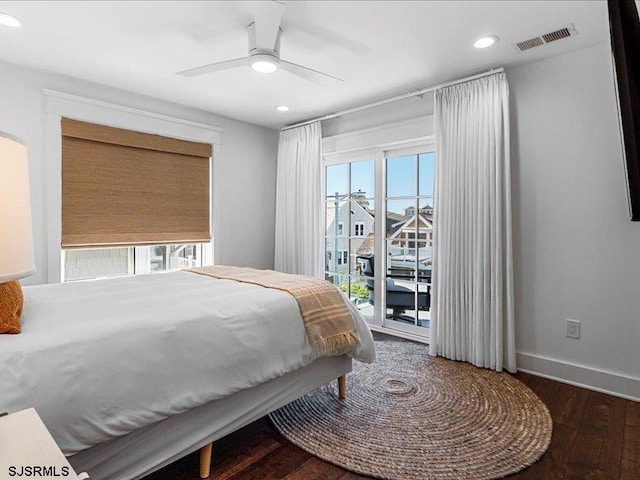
<point x="564" y="32"/>
<point x="531" y="43"/>
<point x="557" y="35"/>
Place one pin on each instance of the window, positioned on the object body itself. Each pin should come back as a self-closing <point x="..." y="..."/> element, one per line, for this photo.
<point x="397" y="254"/>
<point x="124" y="190"/>
<point x="343" y="257"/>
<point x="84" y="264"/>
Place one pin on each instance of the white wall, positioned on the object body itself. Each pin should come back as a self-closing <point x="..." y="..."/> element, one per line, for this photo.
<point x="395" y="112"/>
<point x="577" y="255"/>
<point x="243" y="168"/>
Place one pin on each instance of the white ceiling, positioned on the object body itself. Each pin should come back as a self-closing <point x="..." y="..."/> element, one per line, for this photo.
<point x="379" y="48"/>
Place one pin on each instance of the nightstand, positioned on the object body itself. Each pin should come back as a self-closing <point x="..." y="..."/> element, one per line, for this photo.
<point x="27" y="449"/>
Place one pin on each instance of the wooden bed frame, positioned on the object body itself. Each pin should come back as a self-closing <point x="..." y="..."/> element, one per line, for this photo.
<point x="206" y="451"/>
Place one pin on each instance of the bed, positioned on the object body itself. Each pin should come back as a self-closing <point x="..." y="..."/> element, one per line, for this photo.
<point x="130" y="374"/>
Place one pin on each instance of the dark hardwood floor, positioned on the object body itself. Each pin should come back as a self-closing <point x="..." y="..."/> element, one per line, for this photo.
<point x="595" y="437"/>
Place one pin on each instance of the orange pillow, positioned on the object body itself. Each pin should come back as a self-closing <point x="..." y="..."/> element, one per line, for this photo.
<point x="11" y="301"/>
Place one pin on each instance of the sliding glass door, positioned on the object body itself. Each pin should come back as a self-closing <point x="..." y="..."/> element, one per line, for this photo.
<point x="385" y="269"/>
<point x="409" y="240"/>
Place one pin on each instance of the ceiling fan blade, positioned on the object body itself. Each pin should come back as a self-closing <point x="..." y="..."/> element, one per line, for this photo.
<point x="215" y="67"/>
<point x="268" y="16"/>
<point x="309" y="74"/>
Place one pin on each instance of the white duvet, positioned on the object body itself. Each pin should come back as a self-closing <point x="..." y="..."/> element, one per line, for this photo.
<point x="99" y="359"/>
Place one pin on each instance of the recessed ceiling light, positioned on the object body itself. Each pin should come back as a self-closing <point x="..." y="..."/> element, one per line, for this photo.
<point x="485" y="42"/>
<point x="282" y="108"/>
<point x="9" y="20"/>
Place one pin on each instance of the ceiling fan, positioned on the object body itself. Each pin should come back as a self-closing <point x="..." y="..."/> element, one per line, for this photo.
<point x="264" y="50"/>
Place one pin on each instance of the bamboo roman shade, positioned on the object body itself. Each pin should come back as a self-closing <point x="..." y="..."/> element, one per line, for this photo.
<point x="121" y="187"/>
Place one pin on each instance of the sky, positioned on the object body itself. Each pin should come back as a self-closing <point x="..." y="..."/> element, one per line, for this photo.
<point x="401" y="176"/>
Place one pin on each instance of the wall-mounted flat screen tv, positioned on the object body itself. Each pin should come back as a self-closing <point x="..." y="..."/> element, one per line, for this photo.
<point x="624" y="28"/>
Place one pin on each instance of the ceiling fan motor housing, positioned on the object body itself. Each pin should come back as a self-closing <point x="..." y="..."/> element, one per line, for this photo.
<point x="254" y="49"/>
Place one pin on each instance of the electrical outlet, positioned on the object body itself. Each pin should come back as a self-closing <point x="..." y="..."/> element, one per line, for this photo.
<point x="573" y="328"/>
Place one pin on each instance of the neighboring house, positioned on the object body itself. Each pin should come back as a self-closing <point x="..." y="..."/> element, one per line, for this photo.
<point x="422" y="225"/>
<point x="407" y="249"/>
<point x="350" y="233"/>
<point x="411" y="241"/>
<point x="350" y="227"/>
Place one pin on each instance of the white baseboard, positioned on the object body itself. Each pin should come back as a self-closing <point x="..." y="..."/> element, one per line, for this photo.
<point x="580" y="376"/>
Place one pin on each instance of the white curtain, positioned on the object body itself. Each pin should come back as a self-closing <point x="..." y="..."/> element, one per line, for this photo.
<point x="473" y="268"/>
<point x="299" y="201"/>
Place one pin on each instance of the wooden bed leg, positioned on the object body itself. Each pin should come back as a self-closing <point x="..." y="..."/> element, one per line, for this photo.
<point x="205" y="460"/>
<point x="342" y="387"/>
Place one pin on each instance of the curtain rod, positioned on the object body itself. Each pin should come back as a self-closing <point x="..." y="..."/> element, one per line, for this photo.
<point x="403" y="96"/>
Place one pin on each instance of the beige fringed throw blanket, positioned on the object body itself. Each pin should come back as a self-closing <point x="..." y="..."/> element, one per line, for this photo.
<point x="330" y="328"/>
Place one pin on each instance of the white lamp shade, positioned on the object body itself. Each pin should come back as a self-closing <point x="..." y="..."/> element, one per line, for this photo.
<point x="16" y="238"/>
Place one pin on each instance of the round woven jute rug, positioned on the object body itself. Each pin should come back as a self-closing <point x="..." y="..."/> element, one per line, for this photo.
<point x="412" y="416"/>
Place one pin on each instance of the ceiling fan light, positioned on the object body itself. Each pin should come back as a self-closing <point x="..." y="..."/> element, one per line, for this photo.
<point x="264" y="67"/>
<point x="263" y="63"/>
